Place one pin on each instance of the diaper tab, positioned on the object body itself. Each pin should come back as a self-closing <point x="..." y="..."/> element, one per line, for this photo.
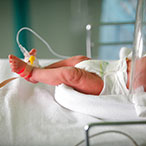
<point x="103" y="66"/>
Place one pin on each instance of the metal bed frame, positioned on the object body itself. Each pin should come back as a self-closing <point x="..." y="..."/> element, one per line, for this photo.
<point x="115" y="123"/>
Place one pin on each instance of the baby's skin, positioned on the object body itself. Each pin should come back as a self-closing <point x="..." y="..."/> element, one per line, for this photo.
<point x="140" y="73"/>
<point x="65" y="72"/>
<point x="60" y="72"/>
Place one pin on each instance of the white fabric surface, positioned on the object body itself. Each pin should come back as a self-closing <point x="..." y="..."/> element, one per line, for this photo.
<point x="124" y="52"/>
<point x="115" y="107"/>
<point x="30" y="117"/>
<point x="139" y="100"/>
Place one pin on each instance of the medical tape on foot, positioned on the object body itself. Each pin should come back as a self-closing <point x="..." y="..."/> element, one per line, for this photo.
<point x="25" y="74"/>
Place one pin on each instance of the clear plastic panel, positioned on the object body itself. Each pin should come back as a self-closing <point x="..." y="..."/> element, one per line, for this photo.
<point x="138" y="65"/>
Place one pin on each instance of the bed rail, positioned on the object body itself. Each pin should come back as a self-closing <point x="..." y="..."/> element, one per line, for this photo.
<point x="111" y="123"/>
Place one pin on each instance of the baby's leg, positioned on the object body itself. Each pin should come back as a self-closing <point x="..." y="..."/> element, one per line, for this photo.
<point x="79" y="79"/>
<point x="72" y="61"/>
<point x="83" y="81"/>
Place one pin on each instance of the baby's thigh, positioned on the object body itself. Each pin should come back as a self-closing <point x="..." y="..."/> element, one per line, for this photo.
<point x="86" y="82"/>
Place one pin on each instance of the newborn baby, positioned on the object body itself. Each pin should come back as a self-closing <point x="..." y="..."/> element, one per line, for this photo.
<point x="93" y="81"/>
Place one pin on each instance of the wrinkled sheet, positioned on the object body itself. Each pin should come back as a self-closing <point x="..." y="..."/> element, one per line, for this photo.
<point x="30" y="116"/>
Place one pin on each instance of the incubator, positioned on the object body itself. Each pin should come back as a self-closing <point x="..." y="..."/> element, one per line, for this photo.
<point x="139" y="45"/>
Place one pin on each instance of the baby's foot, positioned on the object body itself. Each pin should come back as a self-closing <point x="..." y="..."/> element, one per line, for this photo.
<point x="17" y="65"/>
<point x="20" y="67"/>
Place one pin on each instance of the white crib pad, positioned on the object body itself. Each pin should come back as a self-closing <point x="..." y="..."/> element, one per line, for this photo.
<point x="104" y="106"/>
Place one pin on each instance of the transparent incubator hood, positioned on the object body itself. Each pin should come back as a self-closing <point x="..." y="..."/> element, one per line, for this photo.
<point x="139" y="50"/>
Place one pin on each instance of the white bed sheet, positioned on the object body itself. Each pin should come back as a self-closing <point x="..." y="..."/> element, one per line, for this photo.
<point x="29" y="116"/>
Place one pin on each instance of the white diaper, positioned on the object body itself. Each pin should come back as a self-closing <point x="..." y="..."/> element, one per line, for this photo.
<point x="113" y="73"/>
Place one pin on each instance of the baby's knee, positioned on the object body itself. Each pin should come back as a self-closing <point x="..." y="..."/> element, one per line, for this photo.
<point x="71" y="75"/>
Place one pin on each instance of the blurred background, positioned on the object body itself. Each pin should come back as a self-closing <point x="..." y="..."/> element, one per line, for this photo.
<point x="62" y="23"/>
